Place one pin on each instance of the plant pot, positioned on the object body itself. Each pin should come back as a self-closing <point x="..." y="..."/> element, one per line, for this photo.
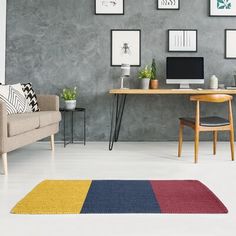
<point x="70" y="104"/>
<point x="154" y="84"/>
<point x="144" y="83"/>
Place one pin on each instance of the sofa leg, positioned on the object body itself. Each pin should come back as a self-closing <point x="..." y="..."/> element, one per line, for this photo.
<point x="52" y="143"/>
<point x="4" y="162"/>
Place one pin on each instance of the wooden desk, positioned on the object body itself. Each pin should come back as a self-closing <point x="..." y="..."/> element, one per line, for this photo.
<point x="120" y="96"/>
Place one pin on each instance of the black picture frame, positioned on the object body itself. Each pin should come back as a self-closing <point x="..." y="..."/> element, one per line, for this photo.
<point x="182" y="51"/>
<point x="210" y="15"/>
<point x="226" y="46"/>
<point x="140" y="46"/>
<point x="108" y="14"/>
<point x="174" y="9"/>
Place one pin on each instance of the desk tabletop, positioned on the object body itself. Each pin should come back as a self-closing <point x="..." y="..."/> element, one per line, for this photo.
<point x="171" y="91"/>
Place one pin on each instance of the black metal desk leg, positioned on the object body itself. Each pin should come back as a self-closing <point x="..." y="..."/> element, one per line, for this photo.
<point x="114" y="113"/>
<point x="119" y="120"/>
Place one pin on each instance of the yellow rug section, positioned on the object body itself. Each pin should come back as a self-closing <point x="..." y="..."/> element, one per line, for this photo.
<point x="54" y="197"/>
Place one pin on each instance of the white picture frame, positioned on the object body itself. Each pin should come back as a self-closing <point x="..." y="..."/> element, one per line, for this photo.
<point x="108" y="7"/>
<point x="222" y="8"/>
<point x="168" y="4"/>
<point x="126" y="47"/>
<point x="230" y="46"/>
<point x="182" y="40"/>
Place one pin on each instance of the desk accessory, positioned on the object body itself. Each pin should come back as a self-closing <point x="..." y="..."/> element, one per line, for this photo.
<point x="145" y="76"/>
<point x="125" y="74"/>
<point x="154" y="82"/>
<point x="214" y="82"/>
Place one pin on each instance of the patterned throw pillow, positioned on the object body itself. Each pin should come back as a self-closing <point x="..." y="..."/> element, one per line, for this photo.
<point x="30" y="96"/>
<point x="14" y="98"/>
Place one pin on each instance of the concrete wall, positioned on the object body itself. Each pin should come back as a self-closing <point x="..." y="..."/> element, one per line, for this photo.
<point x="56" y="43"/>
<point x="2" y="39"/>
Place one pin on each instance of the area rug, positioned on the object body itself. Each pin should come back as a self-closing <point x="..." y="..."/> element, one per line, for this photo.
<point x="120" y="197"/>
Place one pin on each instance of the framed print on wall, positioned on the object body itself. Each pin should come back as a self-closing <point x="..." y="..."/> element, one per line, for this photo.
<point x="109" y="7"/>
<point x="125" y="47"/>
<point x="222" y="7"/>
<point x="182" y="40"/>
<point x="230" y="46"/>
<point x="168" y="4"/>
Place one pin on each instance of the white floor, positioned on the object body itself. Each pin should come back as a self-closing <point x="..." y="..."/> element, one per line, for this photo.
<point x="32" y="164"/>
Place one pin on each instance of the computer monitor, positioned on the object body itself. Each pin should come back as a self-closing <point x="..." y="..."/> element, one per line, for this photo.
<point x="185" y="71"/>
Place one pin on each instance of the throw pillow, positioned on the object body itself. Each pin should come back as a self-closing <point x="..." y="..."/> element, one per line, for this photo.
<point x="30" y="96"/>
<point x="14" y="98"/>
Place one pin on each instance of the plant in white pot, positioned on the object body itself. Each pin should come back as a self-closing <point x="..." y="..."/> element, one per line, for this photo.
<point x="145" y="75"/>
<point x="69" y="95"/>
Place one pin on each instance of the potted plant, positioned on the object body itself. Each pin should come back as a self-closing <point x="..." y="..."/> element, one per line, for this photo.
<point x="69" y="95"/>
<point x="154" y="82"/>
<point x="145" y="76"/>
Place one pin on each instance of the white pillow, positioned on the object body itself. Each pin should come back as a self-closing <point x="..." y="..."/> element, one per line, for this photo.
<point x="14" y="98"/>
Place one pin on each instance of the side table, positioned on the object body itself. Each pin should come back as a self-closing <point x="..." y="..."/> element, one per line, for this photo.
<point x="64" y="112"/>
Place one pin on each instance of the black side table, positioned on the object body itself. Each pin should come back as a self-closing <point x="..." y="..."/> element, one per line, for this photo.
<point x="65" y="111"/>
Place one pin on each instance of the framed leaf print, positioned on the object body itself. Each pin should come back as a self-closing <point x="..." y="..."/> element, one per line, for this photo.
<point x="222" y="8"/>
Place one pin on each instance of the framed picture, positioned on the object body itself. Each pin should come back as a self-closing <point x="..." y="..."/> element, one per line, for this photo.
<point x="125" y="47"/>
<point x="222" y="7"/>
<point x="168" y="4"/>
<point x="109" y="7"/>
<point x="230" y="46"/>
<point x="182" y="40"/>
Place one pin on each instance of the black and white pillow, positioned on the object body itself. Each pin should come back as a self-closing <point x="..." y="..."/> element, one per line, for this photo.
<point x="14" y="98"/>
<point x="30" y="96"/>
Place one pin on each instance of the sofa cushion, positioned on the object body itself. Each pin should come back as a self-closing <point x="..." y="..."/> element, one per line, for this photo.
<point x="49" y="117"/>
<point x="21" y="123"/>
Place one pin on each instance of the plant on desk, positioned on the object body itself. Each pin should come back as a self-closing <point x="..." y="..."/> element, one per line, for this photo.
<point x="145" y="75"/>
<point x="69" y="95"/>
<point x="154" y="82"/>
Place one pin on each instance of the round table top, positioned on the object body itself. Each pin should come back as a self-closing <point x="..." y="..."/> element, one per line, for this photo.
<point x="77" y="109"/>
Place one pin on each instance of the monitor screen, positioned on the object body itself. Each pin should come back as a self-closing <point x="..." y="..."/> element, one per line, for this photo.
<point x="185" y="68"/>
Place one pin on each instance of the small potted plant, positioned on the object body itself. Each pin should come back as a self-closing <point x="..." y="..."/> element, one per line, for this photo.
<point x="154" y="82"/>
<point x="145" y="76"/>
<point x="69" y="95"/>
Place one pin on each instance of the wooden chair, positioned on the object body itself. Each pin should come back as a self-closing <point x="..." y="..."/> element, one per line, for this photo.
<point x="213" y="123"/>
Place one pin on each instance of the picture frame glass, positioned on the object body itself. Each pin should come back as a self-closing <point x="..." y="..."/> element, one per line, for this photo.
<point x="222" y="7"/>
<point x="230" y="43"/>
<point x="125" y="47"/>
<point x="182" y="40"/>
<point x="109" y="7"/>
<point x="168" y="4"/>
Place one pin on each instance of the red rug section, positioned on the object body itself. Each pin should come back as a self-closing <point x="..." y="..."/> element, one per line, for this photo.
<point x="188" y="196"/>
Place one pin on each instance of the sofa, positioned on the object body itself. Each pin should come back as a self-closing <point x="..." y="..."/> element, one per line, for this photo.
<point x="18" y="130"/>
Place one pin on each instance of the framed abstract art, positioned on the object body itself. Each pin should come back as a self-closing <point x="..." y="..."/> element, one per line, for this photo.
<point x="168" y="4"/>
<point x="109" y="7"/>
<point x="182" y="40"/>
<point x="230" y="46"/>
<point x="222" y="8"/>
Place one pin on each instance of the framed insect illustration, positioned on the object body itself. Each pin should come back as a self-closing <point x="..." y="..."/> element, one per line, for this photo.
<point x="125" y="47"/>
<point x="109" y="7"/>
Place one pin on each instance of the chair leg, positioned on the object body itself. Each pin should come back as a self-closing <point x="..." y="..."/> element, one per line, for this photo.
<point x="52" y="143"/>
<point x="4" y="162"/>
<point x="180" y="139"/>
<point x="232" y="143"/>
<point x="196" y="146"/>
<point x="215" y="134"/>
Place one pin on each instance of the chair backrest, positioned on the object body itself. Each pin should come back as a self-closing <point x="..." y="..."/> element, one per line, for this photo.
<point x="214" y="98"/>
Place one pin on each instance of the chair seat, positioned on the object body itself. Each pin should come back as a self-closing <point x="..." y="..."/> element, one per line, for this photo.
<point x="211" y="121"/>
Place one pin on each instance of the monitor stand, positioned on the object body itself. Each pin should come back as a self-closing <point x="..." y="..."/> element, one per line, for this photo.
<point x="184" y="86"/>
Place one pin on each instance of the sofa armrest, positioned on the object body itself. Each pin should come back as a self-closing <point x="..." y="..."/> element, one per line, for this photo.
<point x="48" y="102"/>
<point x="3" y="126"/>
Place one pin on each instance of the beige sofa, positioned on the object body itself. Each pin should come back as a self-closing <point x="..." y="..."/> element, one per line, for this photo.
<point x="18" y="130"/>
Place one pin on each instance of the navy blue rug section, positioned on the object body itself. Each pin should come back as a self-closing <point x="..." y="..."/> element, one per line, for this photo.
<point x="117" y="197"/>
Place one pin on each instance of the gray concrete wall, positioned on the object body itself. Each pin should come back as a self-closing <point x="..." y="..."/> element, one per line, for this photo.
<point x="58" y="43"/>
